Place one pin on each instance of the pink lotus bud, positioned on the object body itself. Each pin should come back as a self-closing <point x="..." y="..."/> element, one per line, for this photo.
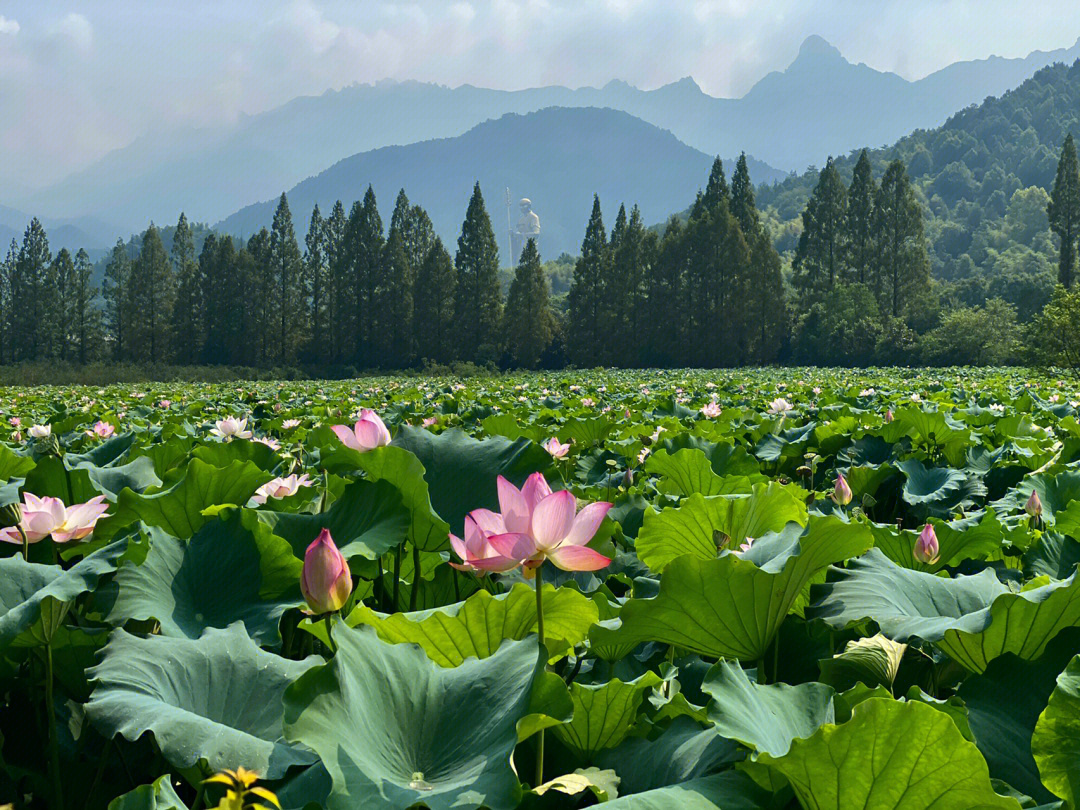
<point x="888" y="416"/>
<point x="1034" y="506"/>
<point x="926" y="547"/>
<point x="326" y="581"/>
<point x="841" y="490"/>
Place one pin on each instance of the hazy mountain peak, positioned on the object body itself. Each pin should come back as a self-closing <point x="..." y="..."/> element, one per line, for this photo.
<point x="818" y="49"/>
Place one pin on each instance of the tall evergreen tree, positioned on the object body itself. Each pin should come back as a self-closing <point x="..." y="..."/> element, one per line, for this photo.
<point x="393" y="339"/>
<point x="337" y="282"/>
<point x="858" y="237"/>
<point x="188" y="322"/>
<point x="59" y="307"/>
<point x="717" y="188"/>
<point x="629" y="263"/>
<point x="86" y="316"/>
<point x="288" y="290"/>
<point x="666" y="298"/>
<point x="263" y="316"/>
<point x="528" y="319"/>
<point x="902" y="264"/>
<point x="317" y="286"/>
<point x="363" y="251"/>
<point x="818" y="259"/>
<point x="117" y="294"/>
<point x="478" y="303"/>
<point x="586" y="295"/>
<point x="743" y="205"/>
<point x="152" y="295"/>
<point x="615" y="294"/>
<point x="7" y="311"/>
<point x="30" y="293"/>
<point x="1064" y="211"/>
<point x="433" y="305"/>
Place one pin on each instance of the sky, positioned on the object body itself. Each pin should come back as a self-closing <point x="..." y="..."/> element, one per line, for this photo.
<point x="78" y="79"/>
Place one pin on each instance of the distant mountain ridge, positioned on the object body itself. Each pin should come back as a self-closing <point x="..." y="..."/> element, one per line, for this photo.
<point x="558" y="157"/>
<point x="820" y="104"/>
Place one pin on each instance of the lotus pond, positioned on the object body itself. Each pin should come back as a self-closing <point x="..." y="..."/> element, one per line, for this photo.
<point x="773" y="589"/>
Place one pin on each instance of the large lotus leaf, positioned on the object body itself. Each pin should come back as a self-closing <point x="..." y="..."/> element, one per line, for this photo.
<point x="729" y="790"/>
<point x="696" y="524"/>
<point x="26" y="589"/>
<point x="1056" y="492"/>
<point x="1002" y="726"/>
<point x="934" y="427"/>
<point x="367" y="520"/>
<point x="14" y="465"/>
<point x="137" y="475"/>
<point x="179" y="508"/>
<point x="217" y="698"/>
<point x="889" y="756"/>
<point x="732" y="606"/>
<point x="873" y="661"/>
<point x="967" y="539"/>
<point x="460" y="471"/>
<point x="224" y="574"/>
<point x="479" y="625"/>
<point x="108" y="452"/>
<point x="689" y="471"/>
<point x="603" y="714"/>
<point x="973" y="619"/>
<point x="158" y="795"/>
<point x="1053" y="555"/>
<point x="586" y="432"/>
<point x="54" y="478"/>
<point x="1056" y="741"/>
<point x="682" y="752"/>
<point x="725" y="458"/>
<point x="394" y="728"/>
<point x="765" y="717"/>
<point x="939" y="490"/>
<point x="222" y="454"/>
<point x="401" y="468"/>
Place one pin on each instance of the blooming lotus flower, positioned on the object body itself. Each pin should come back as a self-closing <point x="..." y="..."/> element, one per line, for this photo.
<point x="47" y="516"/>
<point x="841" y="490"/>
<point x="281" y="487"/>
<point x="102" y="430"/>
<point x="476" y="551"/>
<point x="431" y="420"/>
<point x="231" y="428"/>
<point x="367" y="434"/>
<point x="289" y="424"/>
<point x="711" y="410"/>
<point x="588" y="402"/>
<point x="1034" y="505"/>
<point x="325" y="580"/>
<point x="544" y="525"/>
<point x="165" y="403"/>
<point x="926" y="547"/>
<point x="14" y="421"/>
<point x="779" y="406"/>
<point x="40" y="431"/>
<point x="556" y="448"/>
<point x="273" y="444"/>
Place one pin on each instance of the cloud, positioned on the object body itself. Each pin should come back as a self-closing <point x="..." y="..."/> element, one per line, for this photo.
<point x="8" y="26"/>
<point x="77" y="30"/>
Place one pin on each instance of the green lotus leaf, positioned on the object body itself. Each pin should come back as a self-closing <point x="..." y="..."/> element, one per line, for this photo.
<point x="179" y="508"/>
<point x="603" y="714"/>
<point x="765" y="717"/>
<point x="967" y="539"/>
<point x="1059" y="494"/>
<point x="479" y="625"/>
<point x="367" y="520"/>
<point x="224" y="574"/>
<point x="222" y="454"/>
<point x="694" y="526"/>
<point x="939" y="491"/>
<point x="873" y="661"/>
<point x="158" y="795"/>
<point x="732" y="606"/>
<point x="215" y="699"/>
<point x="889" y="756"/>
<point x="729" y="790"/>
<point x="14" y="465"/>
<point x="1053" y="555"/>
<point x="431" y="735"/>
<point x="1003" y="707"/>
<point x="682" y="752"/>
<point x="31" y="593"/>
<point x="688" y="471"/>
<point x="401" y="468"/>
<point x="973" y="619"/>
<point x="1055" y="743"/>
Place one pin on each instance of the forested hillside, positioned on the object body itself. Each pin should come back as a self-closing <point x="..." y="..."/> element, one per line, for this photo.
<point x="983" y="180"/>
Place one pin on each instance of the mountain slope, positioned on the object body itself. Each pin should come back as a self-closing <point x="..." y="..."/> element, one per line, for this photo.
<point x="557" y="157"/>
<point x="820" y="103"/>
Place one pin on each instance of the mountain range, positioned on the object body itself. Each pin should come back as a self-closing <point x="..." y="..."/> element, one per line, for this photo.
<point x="558" y="157"/>
<point x="820" y="104"/>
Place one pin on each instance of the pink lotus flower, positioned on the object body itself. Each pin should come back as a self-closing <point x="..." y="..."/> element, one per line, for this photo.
<point x="367" y="434"/>
<point x="47" y="516"/>
<point x="588" y="402"/>
<point x="476" y="551"/>
<point x="431" y="420"/>
<point x="231" y="428"/>
<point x="711" y="410"/>
<point x="556" y="448"/>
<point x="888" y="416"/>
<point x="165" y="403"/>
<point x="544" y="525"/>
<point x="841" y="490"/>
<point x="273" y="444"/>
<point x="102" y="430"/>
<point x="325" y="579"/>
<point x="281" y="487"/>
<point x="14" y="421"/>
<point x="926" y="547"/>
